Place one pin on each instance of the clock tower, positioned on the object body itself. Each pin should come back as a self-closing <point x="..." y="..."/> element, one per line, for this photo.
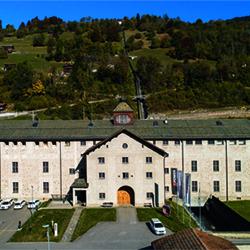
<point x="123" y="114"/>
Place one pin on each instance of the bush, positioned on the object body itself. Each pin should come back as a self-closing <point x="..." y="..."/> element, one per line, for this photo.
<point x="3" y="54"/>
<point x="138" y="36"/>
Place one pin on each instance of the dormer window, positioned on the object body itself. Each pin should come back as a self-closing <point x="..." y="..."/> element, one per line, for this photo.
<point x="123" y="119"/>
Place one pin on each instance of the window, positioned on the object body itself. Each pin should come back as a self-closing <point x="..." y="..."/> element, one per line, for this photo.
<point x="194" y="186"/>
<point x="189" y="142"/>
<point x="242" y="142"/>
<point x="149" y="195"/>
<point x="124" y="159"/>
<point x="101" y="160"/>
<point x="71" y="171"/>
<point x="37" y="143"/>
<point x="45" y="143"/>
<point x="6" y="143"/>
<point x="45" y="187"/>
<point x="216" y="186"/>
<point x="177" y="142"/>
<point x="14" y="167"/>
<point x="125" y="145"/>
<point x="154" y="142"/>
<point x="101" y="175"/>
<point x="15" y="143"/>
<point x="167" y="189"/>
<point x="15" y="187"/>
<point x="194" y="166"/>
<point x="101" y="195"/>
<point x="216" y="166"/>
<point x="53" y="143"/>
<point x="67" y="143"/>
<point x="238" y="186"/>
<point x="198" y="142"/>
<point x="23" y="143"/>
<point x="94" y="142"/>
<point x="237" y="166"/>
<point x="148" y="159"/>
<point x="166" y="170"/>
<point x="232" y="142"/>
<point x="165" y="143"/>
<point x="210" y="142"/>
<point x="83" y="143"/>
<point x="220" y="142"/>
<point x="125" y="175"/>
<point x="149" y="175"/>
<point x="45" y="167"/>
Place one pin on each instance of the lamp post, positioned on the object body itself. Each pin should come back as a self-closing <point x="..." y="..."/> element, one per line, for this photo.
<point x="32" y="199"/>
<point x="47" y="234"/>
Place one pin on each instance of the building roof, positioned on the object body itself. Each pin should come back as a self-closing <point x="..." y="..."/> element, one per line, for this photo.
<point x="79" y="183"/>
<point x="137" y="138"/>
<point x="146" y="129"/>
<point x="192" y="238"/>
<point x="122" y="107"/>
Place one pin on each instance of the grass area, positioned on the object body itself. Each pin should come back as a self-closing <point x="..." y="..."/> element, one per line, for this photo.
<point x="18" y="118"/>
<point x="46" y="203"/>
<point x="240" y="207"/>
<point x="40" y="218"/>
<point x="90" y="217"/>
<point x="172" y="222"/>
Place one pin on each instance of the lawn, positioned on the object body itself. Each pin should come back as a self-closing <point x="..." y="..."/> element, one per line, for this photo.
<point x="40" y="218"/>
<point x="240" y="207"/>
<point x="172" y="222"/>
<point x="90" y="217"/>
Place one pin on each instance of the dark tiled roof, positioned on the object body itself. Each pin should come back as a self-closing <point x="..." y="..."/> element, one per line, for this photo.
<point x="125" y="131"/>
<point x="79" y="183"/>
<point x="192" y="239"/>
<point x="146" y="129"/>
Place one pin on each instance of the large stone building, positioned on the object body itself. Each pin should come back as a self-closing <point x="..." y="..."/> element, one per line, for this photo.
<point x="124" y="160"/>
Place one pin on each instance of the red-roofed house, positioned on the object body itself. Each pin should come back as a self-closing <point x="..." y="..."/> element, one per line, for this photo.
<point x="192" y="238"/>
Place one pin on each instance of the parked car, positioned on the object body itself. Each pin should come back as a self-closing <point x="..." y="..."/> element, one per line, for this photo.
<point x="34" y="204"/>
<point x="157" y="226"/>
<point x="7" y="204"/>
<point x="20" y="204"/>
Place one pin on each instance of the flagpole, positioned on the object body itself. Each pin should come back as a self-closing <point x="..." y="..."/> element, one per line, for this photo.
<point x="177" y="196"/>
<point x="199" y="200"/>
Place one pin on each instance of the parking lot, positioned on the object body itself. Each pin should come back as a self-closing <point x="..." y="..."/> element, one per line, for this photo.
<point x="9" y="221"/>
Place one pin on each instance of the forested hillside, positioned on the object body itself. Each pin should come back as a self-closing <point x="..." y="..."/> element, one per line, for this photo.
<point x="180" y="65"/>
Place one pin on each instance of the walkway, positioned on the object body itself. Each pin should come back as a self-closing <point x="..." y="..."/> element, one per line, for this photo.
<point x="72" y="225"/>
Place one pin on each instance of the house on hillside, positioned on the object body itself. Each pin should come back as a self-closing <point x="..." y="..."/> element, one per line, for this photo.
<point x="3" y="107"/>
<point x="9" y="48"/>
<point x="67" y="69"/>
<point x="7" y="66"/>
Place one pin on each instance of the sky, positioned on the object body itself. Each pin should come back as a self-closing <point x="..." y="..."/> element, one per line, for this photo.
<point x="15" y="12"/>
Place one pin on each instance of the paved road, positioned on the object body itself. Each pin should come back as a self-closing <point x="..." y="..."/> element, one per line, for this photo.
<point x="9" y="221"/>
<point x="127" y="233"/>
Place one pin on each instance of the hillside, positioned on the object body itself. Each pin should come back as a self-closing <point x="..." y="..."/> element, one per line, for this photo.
<point x="180" y="65"/>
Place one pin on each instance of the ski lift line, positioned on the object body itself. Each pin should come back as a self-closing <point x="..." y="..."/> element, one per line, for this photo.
<point x="140" y="102"/>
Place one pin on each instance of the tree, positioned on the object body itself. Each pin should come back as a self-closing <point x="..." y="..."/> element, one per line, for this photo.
<point x="1" y="37"/>
<point x="3" y="54"/>
<point x="39" y="40"/>
<point x="59" y="51"/>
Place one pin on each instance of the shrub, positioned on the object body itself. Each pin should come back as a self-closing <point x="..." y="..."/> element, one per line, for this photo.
<point x="138" y="36"/>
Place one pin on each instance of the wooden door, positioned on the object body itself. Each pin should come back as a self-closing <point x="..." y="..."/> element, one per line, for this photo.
<point x="123" y="197"/>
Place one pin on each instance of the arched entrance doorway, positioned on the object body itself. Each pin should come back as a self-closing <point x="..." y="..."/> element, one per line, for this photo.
<point x="125" y="195"/>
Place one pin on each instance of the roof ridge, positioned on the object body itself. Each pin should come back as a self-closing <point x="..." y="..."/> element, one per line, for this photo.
<point x="198" y="238"/>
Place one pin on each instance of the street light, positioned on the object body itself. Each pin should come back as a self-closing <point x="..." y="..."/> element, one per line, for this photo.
<point x="32" y="199"/>
<point x="47" y="234"/>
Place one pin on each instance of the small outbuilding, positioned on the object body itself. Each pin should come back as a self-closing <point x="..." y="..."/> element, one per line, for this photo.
<point x="192" y="238"/>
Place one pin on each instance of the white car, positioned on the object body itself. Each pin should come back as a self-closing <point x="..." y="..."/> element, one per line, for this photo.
<point x="7" y="204"/>
<point x="34" y="204"/>
<point x="20" y="204"/>
<point x="157" y="226"/>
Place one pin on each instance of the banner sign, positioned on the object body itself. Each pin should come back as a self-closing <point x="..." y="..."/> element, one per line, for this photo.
<point x="174" y="180"/>
<point x="188" y="191"/>
<point x="180" y="184"/>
